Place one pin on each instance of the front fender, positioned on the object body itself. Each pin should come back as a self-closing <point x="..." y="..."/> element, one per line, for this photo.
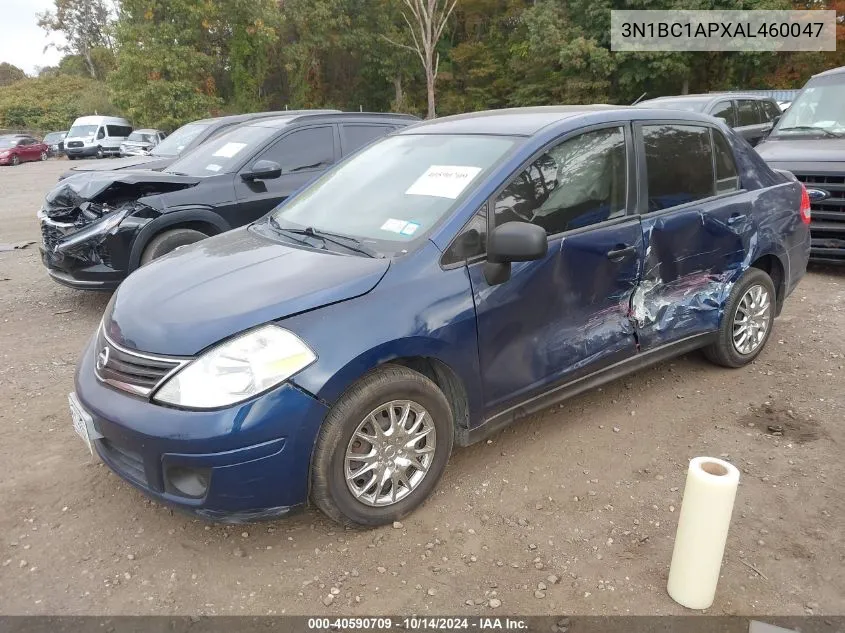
<point x="173" y="218"/>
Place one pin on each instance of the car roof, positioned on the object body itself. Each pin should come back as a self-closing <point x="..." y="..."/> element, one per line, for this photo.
<point x="146" y="130"/>
<point x="551" y="120"/>
<point x="711" y="96"/>
<point x="329" y="115"/>
<point x="508" y="121"/>
<point x="251" y="116"/>
<point x="832" y="71"/>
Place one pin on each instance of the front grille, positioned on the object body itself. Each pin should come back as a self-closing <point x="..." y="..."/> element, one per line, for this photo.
<point x="831" y="209"/>
<point x="127" y="462"/>
<point x="130" y="371"/>
<point x="74" y="144"/>
<point x="827" y="225"/>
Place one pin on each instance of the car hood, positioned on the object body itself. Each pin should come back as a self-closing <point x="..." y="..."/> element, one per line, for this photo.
<point x="802" y="150"/>
<point x="203" y="293"/>
<point x="109" y="189"/>
<point x="154" y="163"/>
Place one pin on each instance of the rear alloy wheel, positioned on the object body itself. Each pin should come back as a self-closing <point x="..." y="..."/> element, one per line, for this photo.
<point x="15" y="160"/>
<point x="382" y="448"/>
<point x="747" y="321"/>
<point x="43" y="155"/>
<point x="168" y="241"/>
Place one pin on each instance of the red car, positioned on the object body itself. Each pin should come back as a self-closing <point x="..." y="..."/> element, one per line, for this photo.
<point x="19" y="148"/>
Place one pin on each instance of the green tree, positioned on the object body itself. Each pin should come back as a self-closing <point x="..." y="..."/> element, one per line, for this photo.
<point x="9" y="74"/>
<point x="166" y="65"/>
<point x="86" y="26"/>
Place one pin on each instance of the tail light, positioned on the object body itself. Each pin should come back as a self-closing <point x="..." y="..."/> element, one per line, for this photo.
<point x="805" y="205"/>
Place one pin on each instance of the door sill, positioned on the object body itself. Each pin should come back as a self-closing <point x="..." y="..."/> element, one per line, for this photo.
<point x="465" y="437"/>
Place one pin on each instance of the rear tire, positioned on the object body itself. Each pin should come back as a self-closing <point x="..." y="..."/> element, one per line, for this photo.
<point x="386" y="396"/>
<point x="747" y="321"/>
<point x="168" y="241"/>
<point x="100" y="153"/>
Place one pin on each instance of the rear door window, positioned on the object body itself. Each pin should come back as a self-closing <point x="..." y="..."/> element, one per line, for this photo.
<point x="679" y="164"/>
<point x="725" y="110"/>
<point x="771" y="110"/>
<point x="303" y="150"/>
<point x="354" y="137"/>
<point x="727" y="179"/>
<point x="747" y="112"/>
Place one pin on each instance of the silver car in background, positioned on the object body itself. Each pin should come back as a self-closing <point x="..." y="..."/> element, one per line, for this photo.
<point x="141" y="142"/>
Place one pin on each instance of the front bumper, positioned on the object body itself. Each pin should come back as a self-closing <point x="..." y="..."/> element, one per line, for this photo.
<point x="81" y="151"/>
<point x="79" y="273"/>
<point x="257" y="455"/>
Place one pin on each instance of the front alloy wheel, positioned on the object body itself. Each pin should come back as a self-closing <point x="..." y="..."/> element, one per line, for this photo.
<point x="43" y="155"/>
<point x="390" y="453"/>
<point x="382" y="447"/>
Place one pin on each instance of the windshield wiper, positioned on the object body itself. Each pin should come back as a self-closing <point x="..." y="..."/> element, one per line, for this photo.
<point x="334" y="238"/>
<point x="812" y="128"/>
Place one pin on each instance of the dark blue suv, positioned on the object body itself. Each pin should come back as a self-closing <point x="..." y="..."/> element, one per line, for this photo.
<point x="451" y="278"/>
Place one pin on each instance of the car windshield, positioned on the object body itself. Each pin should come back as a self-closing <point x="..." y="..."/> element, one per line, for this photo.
<point x="8" y="142"/>
<point x="818" y="110"/>
<point x="687" y="105"/>
<point x="53" y="137"/>
<point x="81" y="131"/>
<point x="176" y="143"/>
<point x="137" y="136"/>
<point x="224" y="153"/>
<point x="396" y="190"/>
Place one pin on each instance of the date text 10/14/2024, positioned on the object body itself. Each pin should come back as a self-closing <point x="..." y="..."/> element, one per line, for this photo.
<point x="415" y="623"/>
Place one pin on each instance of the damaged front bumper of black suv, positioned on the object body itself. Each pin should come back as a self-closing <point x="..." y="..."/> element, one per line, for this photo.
<point x="89" y="225"/>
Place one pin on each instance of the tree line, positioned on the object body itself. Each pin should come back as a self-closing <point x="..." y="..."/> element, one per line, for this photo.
<point x="162" y="63"/>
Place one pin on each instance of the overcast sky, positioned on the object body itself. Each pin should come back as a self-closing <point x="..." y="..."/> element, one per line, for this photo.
<point x="22" y="41"/>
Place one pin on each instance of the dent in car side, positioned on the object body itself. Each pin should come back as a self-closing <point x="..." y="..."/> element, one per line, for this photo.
<point x="667" y="304"/>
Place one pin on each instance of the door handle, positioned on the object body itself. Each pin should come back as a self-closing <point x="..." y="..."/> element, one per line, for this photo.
<point x="621" y="252"/>
<point x="735" y="218"/>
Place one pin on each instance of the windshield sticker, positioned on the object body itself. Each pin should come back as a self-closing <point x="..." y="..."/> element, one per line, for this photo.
<point x="443" y="181"/>
<point x="229" y="150"/>
<point x="213" y="167"/>
<point x="410" y="228"/>
<point x="394" y="226"/>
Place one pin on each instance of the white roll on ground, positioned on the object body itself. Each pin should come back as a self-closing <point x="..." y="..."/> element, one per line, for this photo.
<point x="702" y="531"/>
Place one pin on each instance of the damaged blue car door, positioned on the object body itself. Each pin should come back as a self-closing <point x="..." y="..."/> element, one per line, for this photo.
<point x="566" y="314"/>
<point x="697" y="226"/>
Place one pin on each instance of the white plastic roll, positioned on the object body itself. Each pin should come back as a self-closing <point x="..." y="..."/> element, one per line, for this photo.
<point x="702" y="531"/>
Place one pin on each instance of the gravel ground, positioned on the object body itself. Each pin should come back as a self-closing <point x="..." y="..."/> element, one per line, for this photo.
<point x="572" y="511"/>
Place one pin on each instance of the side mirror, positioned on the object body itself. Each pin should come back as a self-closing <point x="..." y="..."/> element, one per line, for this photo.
<point x="513" y="242"/>
<point x="263" y="170"/>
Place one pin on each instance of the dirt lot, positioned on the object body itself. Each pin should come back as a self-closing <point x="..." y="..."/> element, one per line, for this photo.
<point x="583" y="498"/>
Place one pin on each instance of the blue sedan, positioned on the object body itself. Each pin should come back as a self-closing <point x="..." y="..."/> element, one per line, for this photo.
<point x="434" y="287"/>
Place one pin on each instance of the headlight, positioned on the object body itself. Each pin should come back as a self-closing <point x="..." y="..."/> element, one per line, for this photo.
<point x="97" y="229"/>
<point x="237" y="369"/>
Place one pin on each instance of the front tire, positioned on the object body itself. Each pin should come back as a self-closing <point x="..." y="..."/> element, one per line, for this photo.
<point x="747" y="321"/>
<point x="44" y="156"/>
<point x="382" y="448"/>
<point x="168" y="241"/>
<point x="15" y="160"/>
<point x="99" y="153"/>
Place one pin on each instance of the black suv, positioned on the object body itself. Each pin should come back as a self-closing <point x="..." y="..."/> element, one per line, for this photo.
<point x="97" y="227"/>
<point x="809" y="141"/>
<point x="181" y="141"/>
<point x="752" y="116"/>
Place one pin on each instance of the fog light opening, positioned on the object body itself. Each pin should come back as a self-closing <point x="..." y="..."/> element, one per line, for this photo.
<point x="189" y="482"/>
